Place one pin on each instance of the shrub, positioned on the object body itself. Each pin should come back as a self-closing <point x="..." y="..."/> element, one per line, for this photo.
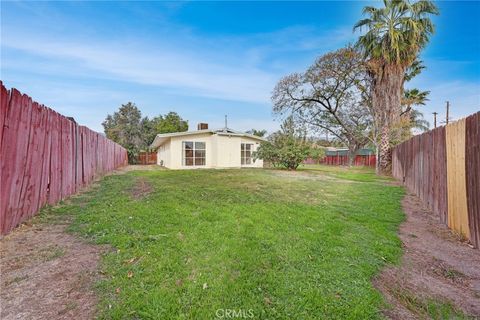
<point x="286" y="148"/>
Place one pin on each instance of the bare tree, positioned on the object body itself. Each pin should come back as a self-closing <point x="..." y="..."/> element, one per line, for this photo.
<point x="330" y="96"/>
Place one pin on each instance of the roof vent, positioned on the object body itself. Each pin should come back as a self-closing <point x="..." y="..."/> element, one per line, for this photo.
<point x="202" y="126"/>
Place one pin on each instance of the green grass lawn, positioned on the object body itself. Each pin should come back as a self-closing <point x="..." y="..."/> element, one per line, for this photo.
<point x="269" y="243"/>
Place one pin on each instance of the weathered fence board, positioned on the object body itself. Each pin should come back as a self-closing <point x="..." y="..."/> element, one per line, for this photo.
<point x="456" y="183"/>
<point x="45" y="157"/>
<point x="472" y="164"/>
<point x="442" y="167"/>
<point x="3" y="111"/>
<point x="55" y="174"/>
<point x="439" y="197"/>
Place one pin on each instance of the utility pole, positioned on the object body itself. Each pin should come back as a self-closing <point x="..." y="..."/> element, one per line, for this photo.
<point x="226" y="123"/>
<point x="448" y="111"/>
<point x="435" y="119"/>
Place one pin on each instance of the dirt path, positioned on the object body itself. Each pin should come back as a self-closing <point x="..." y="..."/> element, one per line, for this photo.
<point x="436" y="265"/>
<point x="47" y="274"/>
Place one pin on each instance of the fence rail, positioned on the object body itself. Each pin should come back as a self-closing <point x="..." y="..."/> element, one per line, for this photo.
<point x="45" y="157"/>
<point x="442" y="167"/>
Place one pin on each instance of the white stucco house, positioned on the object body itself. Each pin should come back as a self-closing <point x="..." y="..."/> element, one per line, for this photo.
<point x="204" y="148"/>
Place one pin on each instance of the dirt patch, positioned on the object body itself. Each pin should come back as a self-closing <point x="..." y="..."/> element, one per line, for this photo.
<point x="436" y="266"/>
<point x="291" y="174"/>
<point x="47" y="274"/>
<point x="141" y="189"/>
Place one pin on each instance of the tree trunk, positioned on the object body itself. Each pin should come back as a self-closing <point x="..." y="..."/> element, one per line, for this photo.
<point x="385" y="156"/>
<point x="352" y="151"/>
<point x="351" y="158"/>
<point x="377" y="155"/>
<point x="386" y="100"/>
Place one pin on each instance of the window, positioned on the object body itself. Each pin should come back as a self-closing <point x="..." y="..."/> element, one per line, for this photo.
<point x="193" y="153"/>
<point x="246" y="153"/>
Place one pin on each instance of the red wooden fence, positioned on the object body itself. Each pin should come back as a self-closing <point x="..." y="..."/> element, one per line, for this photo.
<point x="421" y="164"/>
<point x="341" y="160"/>
<point x="147" y="158"/>
<point x="445" y="173"/>
<point x="472" y="168"/>
<point x="45" y="157"/>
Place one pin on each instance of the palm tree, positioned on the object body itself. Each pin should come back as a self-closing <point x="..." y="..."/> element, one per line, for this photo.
<point x="418" y="122"/>
<point x="413" y="97"/>
<point x="412" y="118"/>
<point x="414" y="69"/>
<point x="396" y="33"/>
<point x="259" y="133"/>
<point x="410" y="125"/>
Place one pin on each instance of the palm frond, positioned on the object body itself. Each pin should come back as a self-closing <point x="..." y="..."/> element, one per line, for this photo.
<point x="369" y="10"/>
<point x="364" y="22"/>
<point x="397" y="31"/>
<point x="424" y="7"/>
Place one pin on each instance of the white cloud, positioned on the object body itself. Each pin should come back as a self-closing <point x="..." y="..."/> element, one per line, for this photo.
<point x="240" y="68"/>
<point x="179" y="62"/>
<point x="153" y="66"/>
<point x="464" y="98"/>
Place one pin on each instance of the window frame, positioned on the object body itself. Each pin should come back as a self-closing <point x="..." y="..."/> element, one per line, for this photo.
<point x="194" y="150"/>
<point x="243" y="152"/>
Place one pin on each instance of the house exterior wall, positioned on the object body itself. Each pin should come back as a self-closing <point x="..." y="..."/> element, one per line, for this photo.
<point x="257" y="163"/>
<point x="228" y="151"/>
<point x="163" y="155"/>
<point x="176" y="150"/>
<point x="222" y="151"/>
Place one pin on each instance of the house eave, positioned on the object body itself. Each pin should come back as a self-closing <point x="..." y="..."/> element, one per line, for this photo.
<point x="161" y="138"/>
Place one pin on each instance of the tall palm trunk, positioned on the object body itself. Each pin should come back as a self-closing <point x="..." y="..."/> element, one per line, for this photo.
<point x="386" y="100"/>
<point x="385" y="155"/>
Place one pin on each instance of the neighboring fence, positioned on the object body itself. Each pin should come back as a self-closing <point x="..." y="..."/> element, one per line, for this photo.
<point x="45" y="157"/>
<point x="342" y="160"/>
<point x="339" y="157"/>
<point x="442" y="167"/>
<point x="147" y="158"/>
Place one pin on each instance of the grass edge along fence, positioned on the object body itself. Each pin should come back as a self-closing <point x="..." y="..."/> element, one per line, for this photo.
<point x="442" y="167"/>
<point x="45" y="157"/>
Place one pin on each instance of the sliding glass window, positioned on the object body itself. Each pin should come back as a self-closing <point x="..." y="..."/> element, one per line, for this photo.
<point x="193" y="153"/>
<point x="246" y="153"/>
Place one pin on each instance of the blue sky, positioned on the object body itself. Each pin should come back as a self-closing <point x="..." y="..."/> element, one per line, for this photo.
<point x="206" y="59"/>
